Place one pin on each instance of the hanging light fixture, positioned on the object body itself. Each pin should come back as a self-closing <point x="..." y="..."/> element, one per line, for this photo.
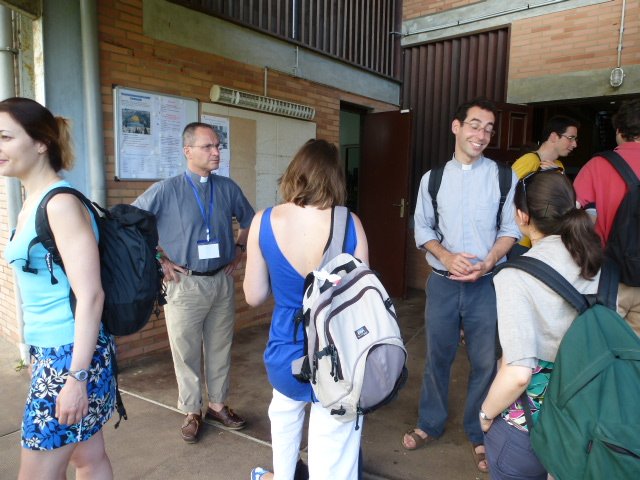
<point x="617" y="74"/>
<point x="251" y="101"/>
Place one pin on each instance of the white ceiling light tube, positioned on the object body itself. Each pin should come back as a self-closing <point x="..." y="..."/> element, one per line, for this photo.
<point x="251" y="101"/>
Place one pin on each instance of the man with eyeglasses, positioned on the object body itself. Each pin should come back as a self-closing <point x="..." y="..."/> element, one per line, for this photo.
<point x="463" y="243"/>
<point x="198" y="254"/>
<point x="600" y="190"/>
<point x="560" y="138"/>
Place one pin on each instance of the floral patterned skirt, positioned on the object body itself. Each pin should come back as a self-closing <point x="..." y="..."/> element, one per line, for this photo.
<point x="40" y="428"/>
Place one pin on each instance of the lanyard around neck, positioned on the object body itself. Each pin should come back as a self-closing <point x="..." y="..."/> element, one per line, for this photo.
<point x="206" y="216"/>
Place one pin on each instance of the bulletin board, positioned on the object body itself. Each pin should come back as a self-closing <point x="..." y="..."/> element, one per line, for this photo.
<point x="148" y="133"/>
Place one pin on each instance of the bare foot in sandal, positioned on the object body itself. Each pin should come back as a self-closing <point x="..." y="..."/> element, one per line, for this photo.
<point x="480" y="458"/>
<point x="415" y="438"/>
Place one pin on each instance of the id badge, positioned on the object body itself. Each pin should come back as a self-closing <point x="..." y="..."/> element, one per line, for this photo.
<point x="207" y="250"/>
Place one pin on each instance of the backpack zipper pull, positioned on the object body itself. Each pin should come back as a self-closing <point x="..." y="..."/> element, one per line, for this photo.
<point x="314" y="369"/>
<point x="334" y="363"/>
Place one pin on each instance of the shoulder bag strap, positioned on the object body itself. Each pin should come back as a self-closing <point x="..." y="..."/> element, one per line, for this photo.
<point x="435" y="179"/>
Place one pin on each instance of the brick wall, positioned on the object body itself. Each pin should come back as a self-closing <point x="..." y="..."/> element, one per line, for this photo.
<point x="420" y="8"/>
<point x="583" y="38"/>
<point x="129" y="58"/>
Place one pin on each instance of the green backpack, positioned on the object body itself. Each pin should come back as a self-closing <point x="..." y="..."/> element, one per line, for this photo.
<point x="589" y="422"/>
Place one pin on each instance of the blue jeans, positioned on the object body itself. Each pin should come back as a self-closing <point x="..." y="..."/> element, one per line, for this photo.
<point x="452" y="305"/>
<point x="510" y="454"/>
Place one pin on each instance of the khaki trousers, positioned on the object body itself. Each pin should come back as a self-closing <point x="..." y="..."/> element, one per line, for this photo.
<point x="629" y="305"/>
<point x="200" y="316"/>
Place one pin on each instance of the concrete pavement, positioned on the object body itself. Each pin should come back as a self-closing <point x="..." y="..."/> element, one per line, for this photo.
<point x="148" y="445"/>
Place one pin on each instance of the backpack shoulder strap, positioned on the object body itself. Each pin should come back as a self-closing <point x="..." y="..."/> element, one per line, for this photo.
<point x="435" y="179"/>
<point x="44" y="234"/>
<point x="551" y="278"/>
<point x="621" y="165"/>
<point x="338" y="234"/>
<point x="608" y="285"/>
<point x="504" y="181"/>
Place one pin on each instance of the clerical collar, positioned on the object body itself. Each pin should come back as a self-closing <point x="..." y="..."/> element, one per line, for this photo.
<point x="197" y="178"/>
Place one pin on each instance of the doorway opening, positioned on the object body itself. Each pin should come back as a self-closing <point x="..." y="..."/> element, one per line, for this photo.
<point x="596" y="133"/>
<point x="351" y="118"/>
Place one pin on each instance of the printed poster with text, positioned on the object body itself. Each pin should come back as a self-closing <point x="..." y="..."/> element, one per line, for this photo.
<point x="221" y="126"/>
<point x="149" y="142"/>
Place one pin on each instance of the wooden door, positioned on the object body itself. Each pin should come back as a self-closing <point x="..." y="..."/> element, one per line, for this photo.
<point x="383" y="198"/>
<point x="514" y="129"/>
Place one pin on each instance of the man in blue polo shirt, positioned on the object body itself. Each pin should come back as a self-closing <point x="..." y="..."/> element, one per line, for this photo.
<point x="462" y="250"/>
<point x="199" y="255"/>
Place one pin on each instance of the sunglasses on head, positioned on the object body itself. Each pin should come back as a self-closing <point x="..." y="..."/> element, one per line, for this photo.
<point x="527" y="178"/>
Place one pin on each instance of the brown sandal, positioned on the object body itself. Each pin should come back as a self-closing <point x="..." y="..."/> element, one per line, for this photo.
<point x="479" y="457"/>
<point x="419" y="441"/>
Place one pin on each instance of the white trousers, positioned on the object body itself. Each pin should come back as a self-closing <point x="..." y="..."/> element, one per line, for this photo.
<point x="333" y="446"/>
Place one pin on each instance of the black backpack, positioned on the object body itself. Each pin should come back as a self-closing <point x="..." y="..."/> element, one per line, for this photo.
<point x="130" y="273"/>
<point x="623" y="244"/>
<point x="435" y="179"/>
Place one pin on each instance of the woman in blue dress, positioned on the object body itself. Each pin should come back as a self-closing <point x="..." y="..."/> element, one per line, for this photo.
<point x="286" y="243"/>
<point x="72" y="388"/>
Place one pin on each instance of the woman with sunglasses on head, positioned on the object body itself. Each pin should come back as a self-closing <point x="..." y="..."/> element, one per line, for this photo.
<point x="72" y="391"/>
<point x="532" y="319"/>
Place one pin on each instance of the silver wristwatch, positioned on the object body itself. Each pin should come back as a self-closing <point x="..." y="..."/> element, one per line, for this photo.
<point x="80" y="375"/>
<point x="483" y="416"/>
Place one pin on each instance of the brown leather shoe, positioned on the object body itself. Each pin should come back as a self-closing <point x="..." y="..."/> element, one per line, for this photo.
<point x="191" y="427"/>
<point x="226" y="418"/>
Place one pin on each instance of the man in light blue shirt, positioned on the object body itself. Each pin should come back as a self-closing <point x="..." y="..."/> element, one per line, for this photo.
<point x="462" y="250"/>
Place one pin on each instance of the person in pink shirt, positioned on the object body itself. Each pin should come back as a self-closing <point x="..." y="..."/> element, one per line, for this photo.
<point x="600" y="190"/>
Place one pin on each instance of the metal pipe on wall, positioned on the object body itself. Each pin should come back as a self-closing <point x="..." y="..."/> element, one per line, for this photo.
<point x="94" y="134"/>
<point x="7" y="90"/>
<point x="12" y="185"/>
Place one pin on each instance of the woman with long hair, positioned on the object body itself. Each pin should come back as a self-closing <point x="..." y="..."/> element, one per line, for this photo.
<point x="72" y="392"/>
<point x="532" y="319"/>
<point x="285" y="244"/>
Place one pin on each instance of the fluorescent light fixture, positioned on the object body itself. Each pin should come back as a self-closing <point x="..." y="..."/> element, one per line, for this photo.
<point x="251" y="101"/>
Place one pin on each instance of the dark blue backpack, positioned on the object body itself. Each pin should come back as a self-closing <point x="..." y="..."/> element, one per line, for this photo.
<point x="130" y="273"/>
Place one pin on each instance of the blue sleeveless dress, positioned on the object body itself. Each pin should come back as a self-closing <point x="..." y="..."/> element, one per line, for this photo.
<point x="287" y="286"/>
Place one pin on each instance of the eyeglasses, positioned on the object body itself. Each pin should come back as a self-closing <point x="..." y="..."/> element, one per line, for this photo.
<point x="477" y="127"/>
<point x="208" y="146"/>
<point x="571" y="138"/>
